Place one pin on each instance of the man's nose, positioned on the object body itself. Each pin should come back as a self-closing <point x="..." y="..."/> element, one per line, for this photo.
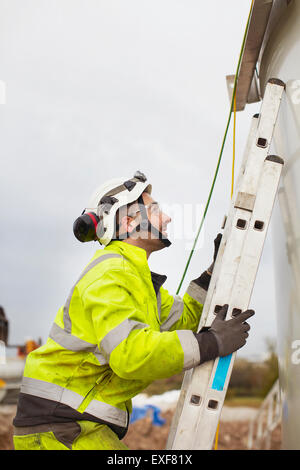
<point x="166" y="219"/>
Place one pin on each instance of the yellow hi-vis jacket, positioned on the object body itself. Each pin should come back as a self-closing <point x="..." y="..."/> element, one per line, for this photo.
<point x="118" y="331"/>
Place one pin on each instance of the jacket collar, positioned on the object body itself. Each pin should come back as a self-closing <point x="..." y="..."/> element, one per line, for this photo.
<point x="138" y="257"/>
<point x="157" y="280"/>
<point x="134" y="254"/>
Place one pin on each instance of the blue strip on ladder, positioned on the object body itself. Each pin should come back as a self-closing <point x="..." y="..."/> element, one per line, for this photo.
<point x="221" y="372"/>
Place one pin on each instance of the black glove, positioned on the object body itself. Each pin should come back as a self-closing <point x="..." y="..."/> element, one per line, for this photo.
<point x="217" y="242"/>
<point x="204" y="280"/>
<point x="223" y="337"/>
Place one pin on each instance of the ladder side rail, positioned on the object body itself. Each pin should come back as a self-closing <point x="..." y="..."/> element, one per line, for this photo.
<point x="268" y="430"/>
<point x="259" y="435"/>
<point x="251" y="435"/>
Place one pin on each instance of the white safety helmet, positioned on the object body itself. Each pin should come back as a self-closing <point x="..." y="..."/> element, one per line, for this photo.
<point x="97" y="221"/>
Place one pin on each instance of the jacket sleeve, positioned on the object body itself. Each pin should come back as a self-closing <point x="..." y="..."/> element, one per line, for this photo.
<point x="133" y="349"/>
<point x="178" y="313"/>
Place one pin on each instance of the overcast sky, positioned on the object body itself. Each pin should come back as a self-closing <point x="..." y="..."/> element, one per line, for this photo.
<point x="96" y="89"/>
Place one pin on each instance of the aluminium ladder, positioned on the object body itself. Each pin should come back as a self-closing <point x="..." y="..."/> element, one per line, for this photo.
<point x="204" y="387"/>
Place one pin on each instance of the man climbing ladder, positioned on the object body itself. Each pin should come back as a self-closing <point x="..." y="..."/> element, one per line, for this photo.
<point x="118" y="331"/>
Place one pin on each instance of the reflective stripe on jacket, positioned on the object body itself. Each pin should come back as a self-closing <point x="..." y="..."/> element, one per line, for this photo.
<point x="118" y="331"/>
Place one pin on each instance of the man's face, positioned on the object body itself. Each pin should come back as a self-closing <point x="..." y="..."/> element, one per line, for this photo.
<point x="158" y="219"/>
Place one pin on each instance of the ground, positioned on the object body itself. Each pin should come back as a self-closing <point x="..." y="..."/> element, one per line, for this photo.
<point x="7" y="413"/>
<point x="143" y="435"/>
<point x="233" y="433"/>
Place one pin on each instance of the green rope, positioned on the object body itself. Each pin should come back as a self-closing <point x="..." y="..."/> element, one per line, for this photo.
<point x="220" y="154"/>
